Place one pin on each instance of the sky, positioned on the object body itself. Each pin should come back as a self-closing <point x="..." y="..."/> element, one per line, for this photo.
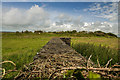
<point x="60" y="16"/>
<point x="60" y="0"/>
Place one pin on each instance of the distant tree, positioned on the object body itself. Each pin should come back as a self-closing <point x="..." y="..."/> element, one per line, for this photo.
<point x="26" y="31"/>
<point x="40" y="31"/>
<point x="22" y="31"/>
<point x="17" y="32"/>
<point x="74" y="31"/>
<point x="67" y="31"/>
<point x="98" y="32"/>
<point x="90" y="32"/>
<point x="54" y="32"/>
<point x="111" y="34"/>
<point x="84" y="32"/>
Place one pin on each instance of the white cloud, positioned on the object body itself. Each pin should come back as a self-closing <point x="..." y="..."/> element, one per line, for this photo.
<point x="63" y="27"/>
<point x="106" y="11"/>
<point x="37" y="18"/>
<point x="22" y="18"/>
<point x="63" y="19"/>
<point x="86" y="26"/>
<point x="103" y="26"/>
<point x="77" y="21"/>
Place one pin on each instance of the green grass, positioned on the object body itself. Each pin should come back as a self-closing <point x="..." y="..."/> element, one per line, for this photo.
<point x="102" y="53"/>
<point x="21" y="48"/>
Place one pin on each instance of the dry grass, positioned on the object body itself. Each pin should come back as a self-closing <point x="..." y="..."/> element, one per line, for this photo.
<point x="109" y="42"/>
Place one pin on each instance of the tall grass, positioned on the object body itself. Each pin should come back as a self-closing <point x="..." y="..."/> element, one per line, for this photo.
<point x="102" y="53"/>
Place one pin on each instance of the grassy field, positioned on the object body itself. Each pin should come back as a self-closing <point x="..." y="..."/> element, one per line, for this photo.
<point x="109" y="42"/>
<point x="21" y="48"/>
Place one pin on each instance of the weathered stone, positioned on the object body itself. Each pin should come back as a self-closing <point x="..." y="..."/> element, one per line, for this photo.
<point x="66" y="40"/>
<point x="56" y="46"/>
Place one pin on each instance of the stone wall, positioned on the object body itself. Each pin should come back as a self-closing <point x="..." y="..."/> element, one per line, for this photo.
<point x="56" y="54"/>
<point x="56" y="46"/>
<point x="66" y="40"/>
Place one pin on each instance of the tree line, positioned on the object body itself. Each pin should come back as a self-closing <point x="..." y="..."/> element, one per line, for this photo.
<point x="74" y="33"/>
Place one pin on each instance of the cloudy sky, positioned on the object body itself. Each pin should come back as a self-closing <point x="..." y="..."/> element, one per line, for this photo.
<point x="60" y="16"/>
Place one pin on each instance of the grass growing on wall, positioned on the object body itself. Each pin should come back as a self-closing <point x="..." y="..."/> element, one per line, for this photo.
<point x="103" y="53"/>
